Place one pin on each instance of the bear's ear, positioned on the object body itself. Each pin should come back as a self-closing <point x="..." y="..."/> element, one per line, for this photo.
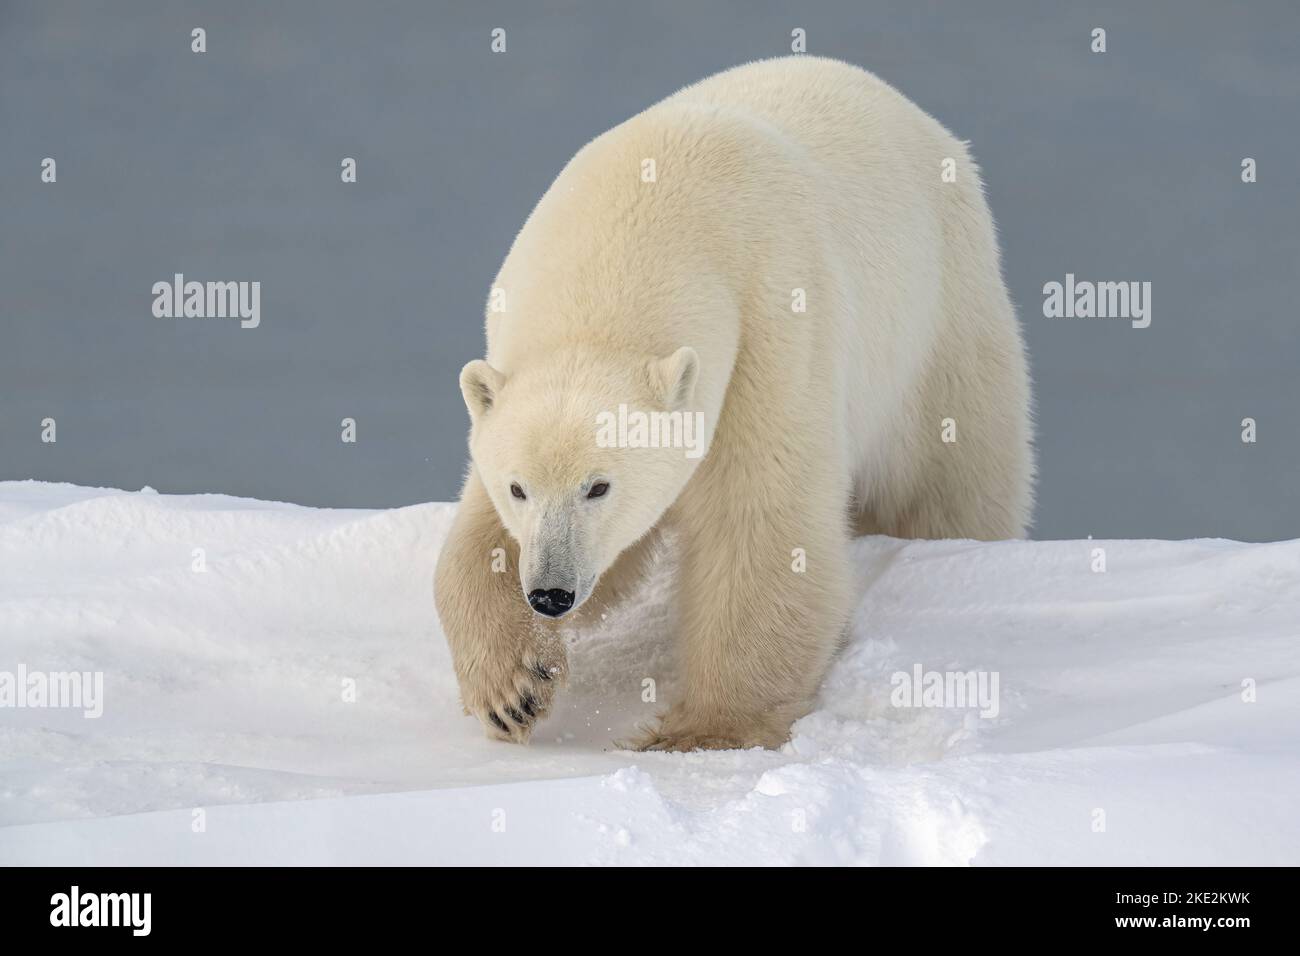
<point x="675" y="377"/>
<point x="480" y="383"/>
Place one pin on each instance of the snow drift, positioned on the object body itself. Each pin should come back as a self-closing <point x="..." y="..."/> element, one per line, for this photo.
<point x="276" y="690"/>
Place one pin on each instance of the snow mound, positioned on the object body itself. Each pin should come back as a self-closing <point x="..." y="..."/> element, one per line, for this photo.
<point x="276" y="690"/>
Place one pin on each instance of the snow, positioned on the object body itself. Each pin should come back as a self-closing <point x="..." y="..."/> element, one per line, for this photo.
<point x="1160" y="697"/>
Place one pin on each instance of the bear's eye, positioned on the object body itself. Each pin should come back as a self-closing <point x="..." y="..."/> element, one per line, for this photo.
<point x="598" y="489"/>
<point x="517" y="491"/>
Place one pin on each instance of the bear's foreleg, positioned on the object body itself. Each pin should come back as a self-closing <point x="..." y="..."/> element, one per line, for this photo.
<point x="764" y="590"/>
<point x="507" y="663"/>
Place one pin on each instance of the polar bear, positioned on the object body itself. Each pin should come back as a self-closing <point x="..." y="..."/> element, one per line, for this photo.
<point x="783" y="284"/>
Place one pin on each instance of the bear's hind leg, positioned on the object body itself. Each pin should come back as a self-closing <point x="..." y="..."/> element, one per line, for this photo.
<point x="975" y="474"/>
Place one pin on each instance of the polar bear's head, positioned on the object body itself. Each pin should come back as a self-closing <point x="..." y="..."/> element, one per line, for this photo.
<point x="581" y="454"/>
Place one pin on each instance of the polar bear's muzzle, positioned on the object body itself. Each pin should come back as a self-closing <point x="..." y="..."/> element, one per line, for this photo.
<point x="551" y="577"/>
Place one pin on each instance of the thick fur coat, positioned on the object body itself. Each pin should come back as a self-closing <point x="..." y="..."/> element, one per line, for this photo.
<point x="797" y="258"/>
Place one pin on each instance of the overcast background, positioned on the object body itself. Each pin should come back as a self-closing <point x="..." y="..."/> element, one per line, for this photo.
<point x="225" y="166"/>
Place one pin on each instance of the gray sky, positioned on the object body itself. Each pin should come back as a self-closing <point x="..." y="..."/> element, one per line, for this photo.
<point x="225" y="165"/>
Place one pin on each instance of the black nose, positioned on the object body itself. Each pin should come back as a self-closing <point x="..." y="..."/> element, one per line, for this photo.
<point x="552" y="603"/>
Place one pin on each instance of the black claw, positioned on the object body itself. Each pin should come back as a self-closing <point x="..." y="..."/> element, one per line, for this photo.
<point x="541" y="671"/>
<point x="517" y="717"/>
<point x="500" y="724"/>
<point x="529" y="705"/>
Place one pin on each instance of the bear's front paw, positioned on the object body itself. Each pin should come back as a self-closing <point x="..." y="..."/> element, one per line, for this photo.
<point x="684" y="743"/>
<point x="680" y="734"/>
<point x="510" y="698"/>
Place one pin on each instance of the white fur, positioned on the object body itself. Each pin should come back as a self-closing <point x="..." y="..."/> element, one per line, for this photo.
<point x="784" y="175"/>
